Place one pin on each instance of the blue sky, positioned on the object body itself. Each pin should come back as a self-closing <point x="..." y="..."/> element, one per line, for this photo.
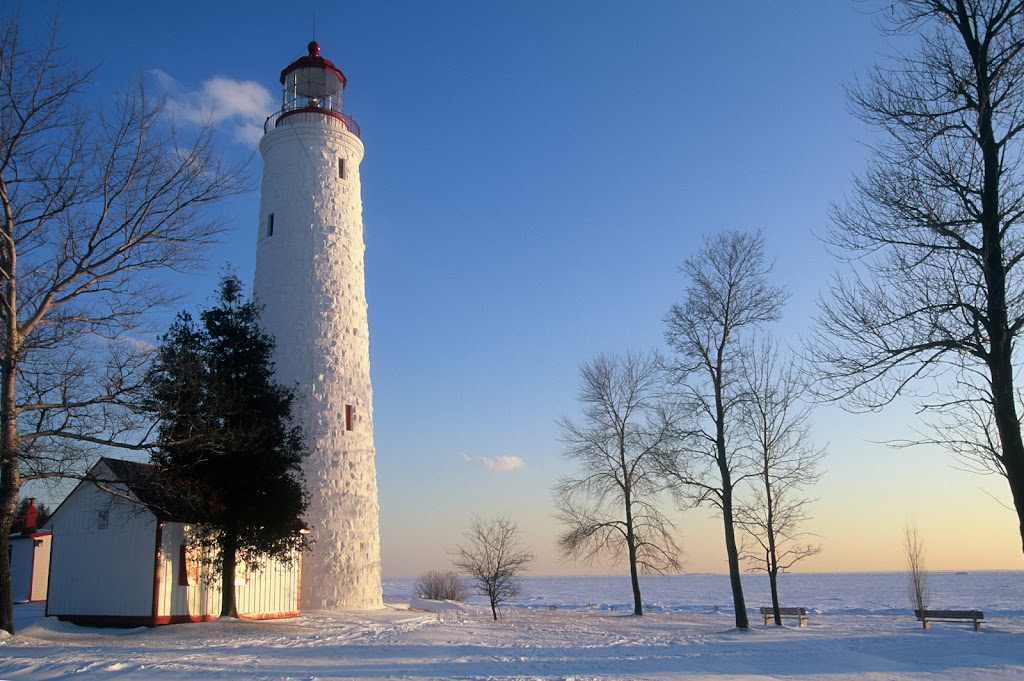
<point x="534" y="174"/>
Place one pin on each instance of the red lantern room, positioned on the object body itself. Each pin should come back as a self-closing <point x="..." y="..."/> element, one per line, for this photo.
<point x="312" y="89"/>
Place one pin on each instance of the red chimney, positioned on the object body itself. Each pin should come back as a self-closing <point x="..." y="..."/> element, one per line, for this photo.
<point x="31" y="513"/>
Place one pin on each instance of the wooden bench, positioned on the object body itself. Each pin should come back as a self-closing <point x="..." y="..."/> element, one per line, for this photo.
<point x="926" y="617"/>
<point x="768" y="613"/>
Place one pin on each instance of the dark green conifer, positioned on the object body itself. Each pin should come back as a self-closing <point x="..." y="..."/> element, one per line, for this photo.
<point x="226" y="439"/>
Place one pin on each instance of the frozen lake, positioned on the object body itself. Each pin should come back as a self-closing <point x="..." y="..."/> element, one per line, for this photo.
<point x="998" y="594"/>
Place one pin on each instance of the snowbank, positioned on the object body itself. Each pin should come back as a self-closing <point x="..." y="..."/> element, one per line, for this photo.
<point x="536" y="642"/>
<point x="430" y="605"/>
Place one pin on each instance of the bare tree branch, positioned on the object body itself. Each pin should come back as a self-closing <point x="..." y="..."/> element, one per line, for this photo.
<point x="494" y="558"/>
<point x="933" y="304"/>
<point x="917" y="575"/>
<point x="93" y="203"/>
<point x="728" y="296"/>
<point x="776" y="421"/>
<point x="613" y="509"/>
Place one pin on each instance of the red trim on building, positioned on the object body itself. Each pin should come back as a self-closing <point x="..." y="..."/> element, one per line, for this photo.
<point x="49" y="578"/>
<point x="143" y="621"/>
<point x="184" y="619"/>
<point x="32" y="571"/>
<point x="182" y="570"/>
<point x="108" y="620"/>
<point x="268" y="615"/>
<point x="156" y="570"/>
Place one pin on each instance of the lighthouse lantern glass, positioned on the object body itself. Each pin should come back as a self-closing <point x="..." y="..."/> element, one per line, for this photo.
<point x="306" y="87"/>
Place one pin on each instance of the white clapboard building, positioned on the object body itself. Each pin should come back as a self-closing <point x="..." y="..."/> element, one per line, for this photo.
<point x="121" y="558"/>
<point x="30" y="565"/>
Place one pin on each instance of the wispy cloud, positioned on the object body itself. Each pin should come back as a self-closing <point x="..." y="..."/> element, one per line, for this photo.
<point x="240" y="106"/>
<point x="496" y="463"/>
<point x="139" y="344"/>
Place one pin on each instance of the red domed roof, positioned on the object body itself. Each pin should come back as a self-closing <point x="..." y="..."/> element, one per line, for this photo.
<point x="314" y="61"/>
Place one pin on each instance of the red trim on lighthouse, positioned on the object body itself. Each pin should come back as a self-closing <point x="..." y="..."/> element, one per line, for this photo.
<point x="314" y="61"/>
<point x="274" y="119"/>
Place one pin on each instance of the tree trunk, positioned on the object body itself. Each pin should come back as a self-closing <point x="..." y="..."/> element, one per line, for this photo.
<point x="10" y="475"/>
<point x="6" y="595"/>
<point x="10" y="481"/>
<point x="731" y="549"/>
<point x="1008" y="426"/>
<point x="10" y="484"/>
<point x="733" y="554"/>
<point x="773" y="582"/>
<point x="638" y="604"/>
<point x="634" y="578"/>
<point x="228" y="607"/>
<point x="494" y="606"/>
<point x="773" y="559"/>
<point x="1000" y="356"/>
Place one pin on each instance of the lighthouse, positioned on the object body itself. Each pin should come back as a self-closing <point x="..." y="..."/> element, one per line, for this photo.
<point x="310" y="282"/>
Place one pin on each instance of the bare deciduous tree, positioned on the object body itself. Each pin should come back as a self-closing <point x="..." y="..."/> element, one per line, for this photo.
<point x="935" y="297"/>
<point x="93" y="201"/>
<point x="776" y="422"/>
<point x="728" y="295"/>
<point x="615" y="507"/>
<point x="917" y="576"/>
<point x="494" y="558"/>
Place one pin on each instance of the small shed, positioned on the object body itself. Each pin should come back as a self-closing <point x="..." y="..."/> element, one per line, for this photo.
<point x="121" y="558"/>
<point x="30" y="564"/>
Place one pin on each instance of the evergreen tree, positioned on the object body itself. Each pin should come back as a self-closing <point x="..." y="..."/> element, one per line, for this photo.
<point x="226" y="443"/>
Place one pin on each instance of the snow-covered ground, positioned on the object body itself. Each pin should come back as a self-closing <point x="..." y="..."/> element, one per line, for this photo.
<point x="568" y="628"/>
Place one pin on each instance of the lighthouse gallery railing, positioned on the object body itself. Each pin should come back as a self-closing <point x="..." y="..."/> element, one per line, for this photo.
<point x="311" y="114"/>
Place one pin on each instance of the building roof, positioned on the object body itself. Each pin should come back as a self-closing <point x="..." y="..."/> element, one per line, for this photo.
<point x="149" y="486"/>
<point x="33" y="535"/>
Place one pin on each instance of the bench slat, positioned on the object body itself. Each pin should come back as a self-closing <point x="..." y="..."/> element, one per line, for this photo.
<point x="784" y="611"/>
<point x="952" y="614"/>
<point x="926" y="617"/>
<point x="769" y="614"/>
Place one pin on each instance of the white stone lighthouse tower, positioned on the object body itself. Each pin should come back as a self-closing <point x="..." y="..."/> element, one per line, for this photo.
<point x="309" y="278"/>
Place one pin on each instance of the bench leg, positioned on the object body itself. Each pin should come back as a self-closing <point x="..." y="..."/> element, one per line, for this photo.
<point x="769" y="619"/>
<point x="803" y="621"/>
<point x="926" y="624"/>
<point x="977" y="625"/>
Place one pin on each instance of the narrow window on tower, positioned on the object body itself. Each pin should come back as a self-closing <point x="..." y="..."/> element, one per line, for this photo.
<point x="270" y="225"/>
<point x="350" y="417"/>
<point x="341" y="168"/>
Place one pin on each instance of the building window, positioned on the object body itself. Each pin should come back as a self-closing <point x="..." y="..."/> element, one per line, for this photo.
<point x="342" y="171"/>
<point x="270" y="225"/>
<point x="350" y="417"/>
<point x="103" y="518"/>
<point x="188" y="566"/>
